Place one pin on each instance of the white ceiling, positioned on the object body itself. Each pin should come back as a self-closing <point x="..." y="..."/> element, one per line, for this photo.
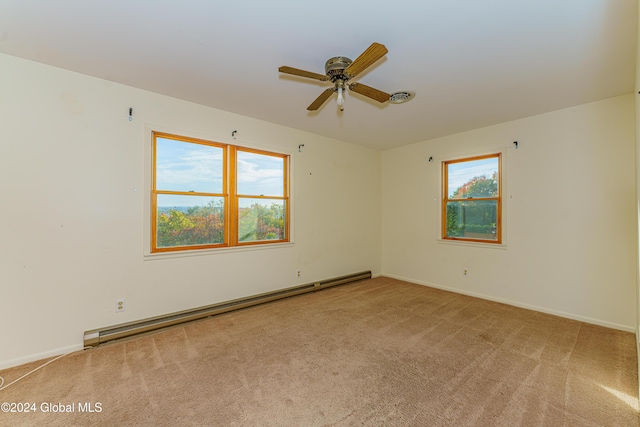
<point x="471" y="63"/>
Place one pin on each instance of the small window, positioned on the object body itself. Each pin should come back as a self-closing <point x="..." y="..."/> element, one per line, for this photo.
<point x="208" y="195"/>
<point x="472" y="203"/>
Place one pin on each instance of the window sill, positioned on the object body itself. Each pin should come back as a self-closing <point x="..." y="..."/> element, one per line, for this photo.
<point x="483" y="245"/>
<point x="148" y="256"/>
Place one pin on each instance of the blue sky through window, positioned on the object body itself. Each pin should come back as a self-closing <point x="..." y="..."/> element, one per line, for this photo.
<point x="192" y="167"/>
<point x="185" y="166"/>
<point x="462" y="172"/>
<point x="260" y="175"/>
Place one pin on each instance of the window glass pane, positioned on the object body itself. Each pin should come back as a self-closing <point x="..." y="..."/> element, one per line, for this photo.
<point x="472" y="219"/>
<point x="186" y="166"/>
<point x="189" y="220"/>
<point x="261" y="219"/>
<point x="475" y="178"/>
<point x="260" y="174"/>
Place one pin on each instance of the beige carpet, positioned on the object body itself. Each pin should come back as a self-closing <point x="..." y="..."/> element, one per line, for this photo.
<point x="375" y="353"/>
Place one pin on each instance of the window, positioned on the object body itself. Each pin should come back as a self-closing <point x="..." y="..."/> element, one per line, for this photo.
<point x="209" y="195"/>
<point x="472" y="202"/>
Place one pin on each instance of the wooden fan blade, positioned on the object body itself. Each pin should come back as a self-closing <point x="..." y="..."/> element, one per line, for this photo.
<point x="370" y="92"/>
<point x="366" y="59"/>
<point x="321" y="99"/>
<point x="302" y="73"/>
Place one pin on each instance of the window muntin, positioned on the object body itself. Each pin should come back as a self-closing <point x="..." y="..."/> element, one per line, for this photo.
<point x="196" y="199"/>
<point x="472" y="203"/>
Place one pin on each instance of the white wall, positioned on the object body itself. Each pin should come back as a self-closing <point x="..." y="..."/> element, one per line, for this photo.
<point x="72" y="189"/>
<point x="570" y="215"/>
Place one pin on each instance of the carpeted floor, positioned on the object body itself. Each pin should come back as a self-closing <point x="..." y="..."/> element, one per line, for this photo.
<point x="379" y="352"/>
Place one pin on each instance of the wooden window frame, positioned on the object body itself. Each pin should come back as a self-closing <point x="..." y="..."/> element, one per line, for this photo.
<point x="445" y="199"/>
<point x="235" y="197"/>
<point x="229" y="195"/>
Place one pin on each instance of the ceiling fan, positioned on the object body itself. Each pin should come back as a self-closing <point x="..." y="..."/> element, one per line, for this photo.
<point x="339" y="70"/>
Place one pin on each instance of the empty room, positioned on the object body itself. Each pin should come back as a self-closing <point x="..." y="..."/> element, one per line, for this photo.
<point x="282" y="214"/>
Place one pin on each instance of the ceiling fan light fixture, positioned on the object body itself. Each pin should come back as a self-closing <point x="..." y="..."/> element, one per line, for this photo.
<point x="340" y="89"/>
<point x="401" y="97"/>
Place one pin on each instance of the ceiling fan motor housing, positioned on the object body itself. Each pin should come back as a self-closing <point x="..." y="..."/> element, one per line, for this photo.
<point x="334" y="68"/>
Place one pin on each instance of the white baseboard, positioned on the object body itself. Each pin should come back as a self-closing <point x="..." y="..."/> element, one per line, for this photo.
<point x="626" y="328"/>
<point x="5" y="364"/>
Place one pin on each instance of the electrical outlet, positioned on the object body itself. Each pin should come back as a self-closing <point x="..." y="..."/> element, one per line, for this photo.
<point x="298" y="273"/>
<point x="119" y="305"/>
<point x="465" y="272"/>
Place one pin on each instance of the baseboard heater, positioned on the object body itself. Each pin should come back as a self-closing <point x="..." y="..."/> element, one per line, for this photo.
<point x="96" y="337"/>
